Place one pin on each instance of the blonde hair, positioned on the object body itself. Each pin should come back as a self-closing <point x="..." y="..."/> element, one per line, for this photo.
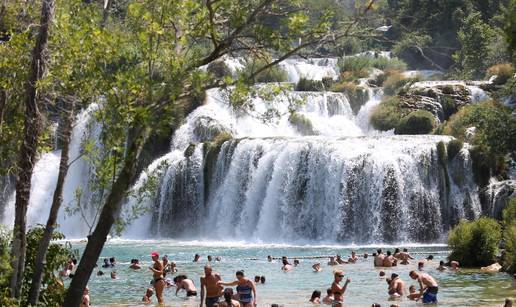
<point x="338" y="272"/>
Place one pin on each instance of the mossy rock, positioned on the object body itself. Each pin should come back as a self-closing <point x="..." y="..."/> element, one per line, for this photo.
<point x="189" y="151"/>
<point x="219" y="69"/>
<point x="388" y="114"/>
<point x="357" y="95"/>
<point x="302" y="124"/>
<point x="417" y="122"/>
<point x="453" y="148"/>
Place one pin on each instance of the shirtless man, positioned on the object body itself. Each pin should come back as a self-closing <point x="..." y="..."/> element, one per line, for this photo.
<point x="213" y="291"/>
<point x="157" y="274"/>
<point x="441" y="266"/>
<point x="196" y="258"/>
<point x="182" y="282"/>
<point x="332" y="261"/>
<point x="389" y="260"/>
<point x="405" y="256"/>
<point x="340" y="260"/>
<point x="396" y="286"/>
<point x="378" y="259"/>
<point x="428" y="287"/>
<point x="353" y="258"/>
<point x="397" y="253"/>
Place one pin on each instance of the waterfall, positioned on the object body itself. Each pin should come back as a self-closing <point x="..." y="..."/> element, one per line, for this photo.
<point x="270" y="181"/>
<point x="44" y="180"/>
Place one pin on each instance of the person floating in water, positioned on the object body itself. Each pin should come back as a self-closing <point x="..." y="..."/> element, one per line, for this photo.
<point x="338" y="290"/>
<point x="147" y="296"/>
<point x="157" y="274"/>
<point x="441" y="266"/>
<point x="316" y="297"/>
<point x="317" y="267"/>
<point x="246" y="290"/>
<point x="286" y="266"/>
<point x="135" y="264"/>
<point x="209" y="287"/>
<point x="182" y="282"/>
<point x="106" y="263"/>
<point x="428" y="287"/>
<point x="196" y="258"/>
<point x="328" y="299"/>
<point x="332" y="261"/>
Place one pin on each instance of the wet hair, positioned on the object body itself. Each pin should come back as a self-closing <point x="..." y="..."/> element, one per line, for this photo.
<point x="74" y="261"/>
<point x="274" y="305"/>
<point x="365" y="255"/>
<point x="262" y="279"/>
<point x="382" y="273"/>
<point x="405" y="250"/>
<point x="240" y="273"/>
<point x="112" y="259"/>
<point x="100" y="273"/>
<point x="430" y="257"/>
<point x="106" y="260"/>
<point x="376" y="305"/>
<point x="397" y="250"/>
<point x="412" y="273"/>
<point x="375" y="254"/>
<point x="441" y="262"/>
<point x="285" y="262"/>
<point x="412" y="287"/>
<point x="315" y="294"/>
<point x="394" y="275"/>
<point x="379" y="251"/>
<point x="329" y="292"/>
<point x="209" y="257"/>
<point x="228" y="295"/>
<point x="388" y="253"/>
<point x="257" y="278"/>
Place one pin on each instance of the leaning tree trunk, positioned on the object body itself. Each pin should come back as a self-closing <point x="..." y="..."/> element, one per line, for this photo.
<point x="107" y="217"/>
<point x="29" y="147"/>
<point x="57" y="200"/>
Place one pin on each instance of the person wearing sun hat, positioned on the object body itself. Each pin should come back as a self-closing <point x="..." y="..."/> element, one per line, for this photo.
<point x="157" y="272"/>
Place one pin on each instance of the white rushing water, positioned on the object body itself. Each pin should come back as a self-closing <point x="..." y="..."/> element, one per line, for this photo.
<point x="296" y="167"/>
<point x="44" y="181"/>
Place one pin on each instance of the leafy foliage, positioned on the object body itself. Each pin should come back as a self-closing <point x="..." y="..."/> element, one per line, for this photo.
<point x="388" y="114"/>
<point x="509" y="235"/>
<point x="503" y="73"/>
<point x="356" y="94"/>
<point x="273" y="74"/>
<point x="475" y="243"/>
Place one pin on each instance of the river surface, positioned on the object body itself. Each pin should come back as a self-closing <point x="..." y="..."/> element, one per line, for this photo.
<point x="462" y="288"/>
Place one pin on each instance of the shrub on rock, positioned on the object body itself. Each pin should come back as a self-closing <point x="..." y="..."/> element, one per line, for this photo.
<point x="218" y="69"/>
<point x="356" y="94"/>
<point x="475" y="244"/>
<point x="417" y="122"/>
<point x="503" y="73"/>
<point x="387" y="114"/>
<point x="307" y="85"/>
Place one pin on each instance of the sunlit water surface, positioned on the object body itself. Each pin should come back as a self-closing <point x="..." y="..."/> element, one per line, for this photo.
<point x="463" y="288"/>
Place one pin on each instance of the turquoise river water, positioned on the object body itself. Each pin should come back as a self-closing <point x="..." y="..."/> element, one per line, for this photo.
<point x="462" y="288"/>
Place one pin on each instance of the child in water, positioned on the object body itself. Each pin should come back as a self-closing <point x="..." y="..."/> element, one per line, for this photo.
<point x="146" y="298"/>
<point x="413" y="295"/>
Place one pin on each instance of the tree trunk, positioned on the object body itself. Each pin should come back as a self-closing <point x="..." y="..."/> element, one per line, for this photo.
<point x="57" y="200"/>
<point x="28" y="148"/>
<point x="107" y="217"/>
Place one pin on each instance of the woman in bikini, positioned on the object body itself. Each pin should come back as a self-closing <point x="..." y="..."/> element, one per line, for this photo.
<point x="246" y="289"/>
<point x="337" y="289"/>
<point x="157" y="272"/>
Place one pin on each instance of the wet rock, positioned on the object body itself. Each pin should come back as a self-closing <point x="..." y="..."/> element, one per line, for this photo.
<point x="498" y="195"/>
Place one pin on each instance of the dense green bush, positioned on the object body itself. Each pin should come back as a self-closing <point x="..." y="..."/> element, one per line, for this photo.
<point x="307" y="85"/>
<point x="495" y="126"/>
<point x="388" y="114"/>
<point x="509" y="235"/>
<point x="394" y="82"/>
<point x="503" y="73"/>
<point x="273" y="74"/>
<point x="360" y="66"/>
<point x="453" y="148"/>
<point x="475" y="243"/>
<point x="417" y="122"/>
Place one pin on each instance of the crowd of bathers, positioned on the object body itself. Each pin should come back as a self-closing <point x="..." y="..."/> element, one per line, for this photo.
<point x="216" y="293"/>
